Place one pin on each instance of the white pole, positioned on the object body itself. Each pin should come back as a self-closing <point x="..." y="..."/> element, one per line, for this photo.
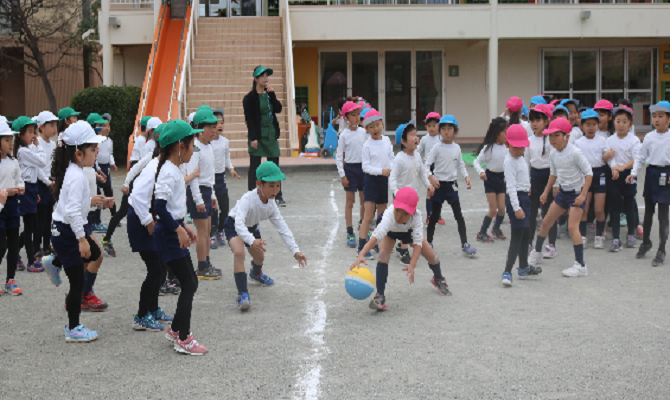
<point x="493" y="61"/>
<point x="106" y="42"/>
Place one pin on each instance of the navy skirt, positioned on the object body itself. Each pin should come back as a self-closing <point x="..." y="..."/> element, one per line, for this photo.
<point x="602" y="177"/>
<point x="404" y="237"/>
<point x="138" y="235"/>
<point x="28" y="202"/>
<point x="538" y="180"/>
<point x="46" y="197"/>
<point x="448" y="191"/>
<point x="524" y="203"/>
<point x="108" y="182"/>
<point x="376" y="189"/>
<point x="9" y="216"/>
<point x="220" y="187"/>
<point x="566" y="199"/>
<point x="206" y="193"/>
<point x="620" y="187"/>
<point x="66" y="245"/>
<point x="166" y="243"/>
<point x="230" y="232"/>
<point x="495" y="182"/>
<point x="356" y="176"/>
<point x="652" y="188"/>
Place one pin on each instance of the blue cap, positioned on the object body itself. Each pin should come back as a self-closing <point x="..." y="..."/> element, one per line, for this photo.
<point x="590" y="113"/>
<point x="538" y="100"/>
<point x="582" y="109"/>
<point x="365" y="111"/>
<point x="400" y="130"/>
<point x="565" y="102"/>
<point x="449" y="119"/>
<point x="560" y="108"/>
<point x="524" y="111"/>
<point x="663" y="106"/>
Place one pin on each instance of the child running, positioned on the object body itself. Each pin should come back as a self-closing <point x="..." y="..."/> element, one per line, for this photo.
<point x="402" y="221"/>
<point x="47" y="125"/>
<point x="106" y="163"/>
<point x="448" y="162"/>
<point x="242" y="230"/>
<point x="425" y="146"/>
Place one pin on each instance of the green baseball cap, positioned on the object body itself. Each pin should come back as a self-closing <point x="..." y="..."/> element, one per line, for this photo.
<point x="269" y="172"/>
<point x="95" y="118"/>
<point x="20" y="122"/>
<point x="261" y="69"/>
<point x="66" y="113"/>
<point x="175" y="131"/>
<point x="204" y="116"/>
<point x="159" y="129"/>
<point x="144" y="120"/>
<point x="204" y="107"/>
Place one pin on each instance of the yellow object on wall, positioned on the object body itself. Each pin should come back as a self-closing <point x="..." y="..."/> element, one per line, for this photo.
<point x="306" y="73"/>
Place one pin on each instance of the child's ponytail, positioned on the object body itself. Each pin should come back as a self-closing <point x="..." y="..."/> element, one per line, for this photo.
<point x="496" y="126"/>
<point x="18" y="142"/>
<point x="514" y="118"/>
<point x="63" y="156"/>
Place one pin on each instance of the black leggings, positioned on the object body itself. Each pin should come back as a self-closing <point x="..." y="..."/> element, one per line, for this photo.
<point x="254" y="162"/>
<point x="43" y="232"/>
<point x="458" y="215"/>
<point x="75" y="274"/>
<point x="663" y="222"/>
<point x="152" y="283"/>
<point x="220" y="214"/>
<point x="518" y="247"/>
<point x="183" y="270"/>
<point x="116" y="218"/>
<point x="9" y="240"/>
<point x="26" y="238"/>
<point x="534" y="206"/>
<point x="616" y="201"/>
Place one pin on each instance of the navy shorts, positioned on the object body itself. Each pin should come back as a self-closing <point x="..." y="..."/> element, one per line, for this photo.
<point x="28" y="202"/>
<point x="620" y="187"/>
<point x="652" y="189"/>
<point x="566" y="199"/>
<point x="66" y="245"/>
<point x="524" y="203"/>
<point x="538" y="180"/>
<point x="602" y="177"/>
<point x="105" y="170"/>
<point x="448" y="191"/>
<point x="220" y="187"/>
<point x="404" y="237"/>
<point x="166" y="243"/>
<point x="376" y="189"/>
<point x="138" y="235"/>
<point x="355" y="175"/>
<point x="46" y="197"/>
<point x="132" y="164"/>
<point x="495" y="182"/>
<point x="9" y="216"/>
<point x="230" y="232"/>
<point x="206" y="193"/>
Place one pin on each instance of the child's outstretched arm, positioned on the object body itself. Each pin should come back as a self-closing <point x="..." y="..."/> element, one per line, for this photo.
<point x="360" y="260"/>
<point x="287" y="236"/>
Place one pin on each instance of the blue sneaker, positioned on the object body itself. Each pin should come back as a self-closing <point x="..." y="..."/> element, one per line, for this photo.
<point x="221" y="238"/>
<point x="262" y="278"/>
<point x="507" y="279"/>
<point x="523" y="273"/>
<point x="616" y="245"/>
<point x="52" y="270"/>
<point x="148" y="323"/>
<point x="160" y="316"/>
<point x="351" y="241"/>
<point x="20" y="266"/>
<point x="368" y="256"/>
<point x="243" y="301"/>
<point x="80" y="334"/>
<point x="469" y="250"/>
<point x="213" y="243"/>
<point x="188" y="219"/>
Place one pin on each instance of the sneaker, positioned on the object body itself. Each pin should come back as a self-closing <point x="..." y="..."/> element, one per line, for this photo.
<point x="176" y="286"/>
<point x="599" y="242"/>
<point x="561" y="230"/>
<point x="108" y="247"/>
<point x="378" y="303"/>
<point x="485" y="238"/>
<point x="368" y="256"/>
<point x="101" y="228"/>
<point x="147" y="323"/>
<point x="468" y="250"/>
<point x="20" y="266"/>
<point x="165" y="288"/>
<point x="549" y="251"/>
<point x="91" y="302"/>
<point x="658" y="260"/>
<point x="280" y="202"/>
<point x="262" y="278"/>
<point x="12" y="288"/>
<point x="498" y="234"/>
<point x="643" y="249"/>
<point x="39" y="255"/>
<point x="534" y="257"/>
<point x="616" y="245"/>
<point x="506" y="279"/>
<point x="351" y="241"/>
<point x="630" y="241"/>
<point x="243" y="301"/>
<point x="534" y="271"/>
<point x="440" y="221"/>
<point x="52" y="270"/>
<point x="584" y="241"/>
<point x="213" y="244"/>
<point x="221" y="238"/>
<point x="162" y="317"/>
<point x="188" y="219"/>
<point x="441" y="285"/>
<point x="35" y="267"/>
<point x="622" y="220"/>
<point x="215" y="271"/>
<point x="405" y="258"/>
<point x="207" y="274"/>
<point x="171" y="335"/>
<point x="591" y="227"/>
<point x="190" y="347"/>
<point x="639" y="232"/>
<point x="376" y="248"/>
<point x="80" y="335"/>
<point x="576" y="270"/>
<point x="523" y="273"/>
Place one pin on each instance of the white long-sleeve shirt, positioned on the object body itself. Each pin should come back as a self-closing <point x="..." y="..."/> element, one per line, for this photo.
<point x="205" y="160"/>
<point x="625" y="149"/>
<point x="593" y="150"/>
<point x="170" y="186"/>
<point x="250" y="210"/>
<point x="575" y="135"/>
<point x="148" y="148"/>
<point x="533" y="155"/>
<point x="136" y="170"/>
<point x="448" y="162"/>
<point x="91" y="178"/>
<point x="655" y="150"/>
<point x="517" y="179"/>
<point x="221" y="151"/>
<point x="74" y="200"/>
<point x="350" y="148"/>
<point x="49" y="147"/>
<point x="33" y="160"/>
<point x="426" y="144"/>
<point x="494" y="157"/>
<point x="388" y="224"/>
<point x="408" y="171"/>
<point x="10" y="174"/>
<point x="569" y="167"/>
<point x="377" y="155"/>
<point x="143" y="190"/>
<point x="106" y="152"/>
<point x="138" y="147"/>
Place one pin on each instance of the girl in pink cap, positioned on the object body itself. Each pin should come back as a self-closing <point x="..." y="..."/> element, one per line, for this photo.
<point x="402" y="221"/>
<point x="425" y="146"/>
<point x="606" y="126"/>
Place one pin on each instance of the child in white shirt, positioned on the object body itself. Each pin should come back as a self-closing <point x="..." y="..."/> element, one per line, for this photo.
<point x="425" y="146"/>
<point x="47" y="125"/>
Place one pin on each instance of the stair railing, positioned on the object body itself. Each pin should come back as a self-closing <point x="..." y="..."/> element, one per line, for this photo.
<point x="188" y="56"/>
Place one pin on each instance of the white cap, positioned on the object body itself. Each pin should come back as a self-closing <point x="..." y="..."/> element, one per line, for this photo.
<point x="44" y="117"/>
<point x="190" y="117"/>
<point x="5" y="130"/>
<point x="3" y="118"/>
<point x="153" y="123"/>
<point x="81" y="133"/>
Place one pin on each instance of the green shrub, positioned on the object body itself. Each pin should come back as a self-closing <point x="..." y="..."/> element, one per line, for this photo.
<point x="121" y="103"/>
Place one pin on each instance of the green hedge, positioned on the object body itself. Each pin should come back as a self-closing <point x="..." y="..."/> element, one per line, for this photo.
<point x="121" y="103"/>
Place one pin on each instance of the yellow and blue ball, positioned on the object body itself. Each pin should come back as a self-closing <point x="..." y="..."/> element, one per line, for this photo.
<point x="360" y="283"/>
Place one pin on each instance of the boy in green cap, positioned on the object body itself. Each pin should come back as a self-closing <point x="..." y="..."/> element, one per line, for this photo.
<point x="139" y="141"/>
<point x="66" y="117"/>
<point x="242" y="230"/>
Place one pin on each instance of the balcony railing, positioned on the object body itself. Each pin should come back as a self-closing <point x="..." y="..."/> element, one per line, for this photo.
<point x="131" y="4"/>
<point x="434" y="2"/>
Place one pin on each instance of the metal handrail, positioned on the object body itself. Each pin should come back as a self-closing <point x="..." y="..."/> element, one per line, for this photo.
<point x="190" y="38"/>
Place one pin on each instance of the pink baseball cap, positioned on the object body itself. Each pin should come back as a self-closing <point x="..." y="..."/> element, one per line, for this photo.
<point x="558" y="125"/>
<point x="371" y="116"/>
<point x="603" y="104"/>
<point x="349" y="106"/>
<point x="544" y="109"/>
<point x="517" y="136"/>
<point x="514" y="104"/>
<point x="406" y="199"/>
<point x="551" y="107"/>
<point x="554" y="102"/>
<point x="432" y="115"/>
<point x="624" y="109"/>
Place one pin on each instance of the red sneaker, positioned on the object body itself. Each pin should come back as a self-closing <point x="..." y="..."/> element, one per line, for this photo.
<point x="91" y="302"/>
<point x="171" y="335"/>
<point x="440" y="221"/>
<point x="189" y="346"/>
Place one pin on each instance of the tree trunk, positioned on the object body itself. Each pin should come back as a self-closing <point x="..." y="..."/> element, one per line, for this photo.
<point x="42" y="73"/>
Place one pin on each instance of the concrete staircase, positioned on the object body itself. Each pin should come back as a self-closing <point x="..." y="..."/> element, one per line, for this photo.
<point x="225" y="54"/>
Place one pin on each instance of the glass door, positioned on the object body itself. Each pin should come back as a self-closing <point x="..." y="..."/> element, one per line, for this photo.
<point x="585" y="76"/>
<point x="428" y="92"/>
<point x="333" y="74"/>
<point x="398" y="85"/>
<point x="556" y="73"/>
<point x="639" y="78"/>
<point x="612" y="75"/>
<point x="365" y="76"/>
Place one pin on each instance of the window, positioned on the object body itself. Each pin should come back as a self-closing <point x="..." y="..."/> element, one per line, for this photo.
<point x="301" y="97"/>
